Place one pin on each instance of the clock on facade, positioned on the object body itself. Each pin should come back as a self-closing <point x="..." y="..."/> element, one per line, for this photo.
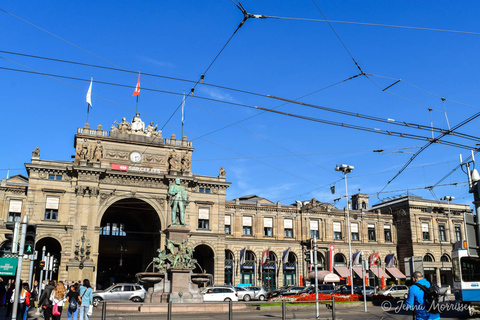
<point x="135" y="156"/>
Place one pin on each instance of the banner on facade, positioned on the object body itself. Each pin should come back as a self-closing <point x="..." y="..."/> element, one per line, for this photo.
<point x="265" y="255"/>
<point x="356" y="258"/>
<point x="374" y="259"/>
<point x="8" y="266"/>
<point x="331" y="254"/>
<point x="285" y="255"/>
<point x="390" y="261"/>
<point x="242" y="255"/>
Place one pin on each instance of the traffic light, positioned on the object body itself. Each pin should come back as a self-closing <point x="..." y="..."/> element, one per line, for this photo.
<point x="55" y="265"/>
<point x="308" y="256"/>
<point x="30" y="239"/>
<point x="11" y="243"/>
<point x="42" y="265"/>
<point x="307" y="243"/>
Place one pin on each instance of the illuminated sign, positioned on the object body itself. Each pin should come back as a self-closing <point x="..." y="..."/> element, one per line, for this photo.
<point x="124" y="167"/>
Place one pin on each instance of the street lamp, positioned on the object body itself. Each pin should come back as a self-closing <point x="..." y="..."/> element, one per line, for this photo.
<point x="449" y="199"/>
<point x="82" y="252"/>
<point x="347" y="169"/>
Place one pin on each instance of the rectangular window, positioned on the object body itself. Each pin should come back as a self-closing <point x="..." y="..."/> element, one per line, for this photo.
<point x="247" y="226"/>
<point x="314" y="229"/>
<point x="15" y="210"/>
<point x="228" y="229"/>
<point x="268" y="227"/>
<point x="51" y="208"/>
<point x="458" y="234"/>
<point x="387" y="232"/>
<point x="288" y="228"/>
<point x="337" y="231"/>
<point x="55" y="177"/>
<point x="203" y="218"/>
<point x="354" y="230"/>
<point x="441" y="232"/>
<point x="371" y="232"/>
<point x="425" y="232"/>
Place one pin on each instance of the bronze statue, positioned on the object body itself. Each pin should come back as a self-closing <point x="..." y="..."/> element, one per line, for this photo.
<point x="178" y="203"/>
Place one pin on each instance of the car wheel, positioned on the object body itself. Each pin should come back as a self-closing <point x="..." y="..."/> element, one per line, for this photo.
<point x="96" y="301"/>
<point x="261" y="298"/>
<point x="246" y="298"/>
<point x="227" y="299"/>
<point x="405" y="296"/>
<point x="136" y="299"/>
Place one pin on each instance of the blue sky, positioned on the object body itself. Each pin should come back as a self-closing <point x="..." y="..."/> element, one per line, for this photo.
<point x="274" y="156"/>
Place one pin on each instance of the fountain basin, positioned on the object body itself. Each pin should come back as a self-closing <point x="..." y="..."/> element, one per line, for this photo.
<point x="150" y="277"/>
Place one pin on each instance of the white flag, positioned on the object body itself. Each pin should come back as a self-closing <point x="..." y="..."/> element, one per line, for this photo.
<point x="89" y="93"/>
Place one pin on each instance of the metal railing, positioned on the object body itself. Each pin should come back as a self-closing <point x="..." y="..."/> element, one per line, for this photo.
<point x="118" y="308"/>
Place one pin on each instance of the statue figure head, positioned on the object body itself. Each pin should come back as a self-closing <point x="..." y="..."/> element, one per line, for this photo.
<point x="177" y="181"/>
<point x="124" y="119"/>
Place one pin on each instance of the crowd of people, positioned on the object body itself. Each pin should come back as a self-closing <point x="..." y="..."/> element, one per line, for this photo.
<point x="55" y="297"/>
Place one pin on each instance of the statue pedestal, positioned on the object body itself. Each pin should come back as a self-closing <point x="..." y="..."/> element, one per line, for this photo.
<point x="177" y="234"/>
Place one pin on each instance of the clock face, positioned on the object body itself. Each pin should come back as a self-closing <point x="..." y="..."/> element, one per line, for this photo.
<point x="135" y="156"/>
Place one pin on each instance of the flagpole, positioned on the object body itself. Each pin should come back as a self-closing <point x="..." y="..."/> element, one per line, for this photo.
<point x="136" y="107"/>
<point x="88" y="111"/>
<point x="183" y="111"/>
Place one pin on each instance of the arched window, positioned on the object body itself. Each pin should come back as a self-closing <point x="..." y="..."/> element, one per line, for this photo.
<point x="445" y="258"/>
<point x="364" y="205"/>
<point x="340" y="260"/>
<point x="428" y="258"/>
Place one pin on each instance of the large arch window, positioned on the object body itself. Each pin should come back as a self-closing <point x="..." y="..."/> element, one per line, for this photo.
<point x="428" y="258"/>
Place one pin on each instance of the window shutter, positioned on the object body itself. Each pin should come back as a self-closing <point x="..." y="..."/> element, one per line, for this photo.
<point x="247" y="221"/>
<point x="267" y="222"/>
<point x="314" y="225"/>
<point x="287" y="224"/>
<point x="15" y="206"/>
<point x="204" y="213"/>
<point x="52" y="203"/>
<point x="337" y="227"/>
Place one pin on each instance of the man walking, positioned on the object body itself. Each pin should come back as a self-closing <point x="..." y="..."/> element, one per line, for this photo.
<point x="415" y="299"/>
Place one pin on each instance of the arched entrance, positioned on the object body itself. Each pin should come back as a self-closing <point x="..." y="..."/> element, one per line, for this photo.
<point x="53" y="247"/>
<point x="129" y="240"/>
<point x="205" y="259"/>
<point x="290" y="270"/>
<point x="269" y="271"/>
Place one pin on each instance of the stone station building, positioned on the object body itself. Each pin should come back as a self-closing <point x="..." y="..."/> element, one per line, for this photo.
<point x="113" y="198"/>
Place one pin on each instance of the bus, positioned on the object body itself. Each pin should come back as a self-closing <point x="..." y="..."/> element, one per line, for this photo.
<point x="466" y="277"/>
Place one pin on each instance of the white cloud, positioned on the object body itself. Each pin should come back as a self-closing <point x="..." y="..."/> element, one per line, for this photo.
<point x="217" y="94"/>
<point x="159" y="63"/>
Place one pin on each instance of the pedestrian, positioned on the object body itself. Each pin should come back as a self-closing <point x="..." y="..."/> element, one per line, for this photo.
<point x="45" y="302"/>
<point x="3" y="291"/>
<point x="57" y="297"/>
<point x="73" y="300"/>
<point x="24" y="301"/>
<point x="415" y="299"/>
<point x="34" y="292"/>
<point x="9" y="298"/>
<point x="86" y="296"/>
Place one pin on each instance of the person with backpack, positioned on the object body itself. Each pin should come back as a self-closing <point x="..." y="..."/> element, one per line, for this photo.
<point x="86" y="296"/>
<point x="73" y="301"/>
<point x="58" y="299"/>
<point x="24" y="301"/>
<point x="423" y="298"/>
<point x="45" y="302"/>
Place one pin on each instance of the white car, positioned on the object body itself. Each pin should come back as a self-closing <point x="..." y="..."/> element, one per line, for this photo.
<point x="219" y="294"/>
<point x="400" y="291"/>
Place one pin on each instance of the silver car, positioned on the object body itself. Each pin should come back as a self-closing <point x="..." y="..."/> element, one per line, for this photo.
<point x="251" y="293"/>
<point x="120" y="291"/>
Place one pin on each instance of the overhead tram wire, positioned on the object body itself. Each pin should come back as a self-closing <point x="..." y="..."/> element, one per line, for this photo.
<point x="373" y="130"/>
<point x="410" y="125"/>
<point x="437" y="139"/>
<point x="374" y="25"/>
<point x="245" y="18"/>
<point x="216" y="144"/>
<point x="378" y="119"/>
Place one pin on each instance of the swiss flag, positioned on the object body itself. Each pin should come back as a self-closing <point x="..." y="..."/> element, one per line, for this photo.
<point x="137" y="88"/>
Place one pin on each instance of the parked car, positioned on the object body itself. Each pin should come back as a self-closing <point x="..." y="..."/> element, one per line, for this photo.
<point x="120" y="291"/>
<point x="251" y="293"/>
<point x="369" y="290"/>
<point x="287" y="291"/>
<point x="348" y="290"/>
<point x="219" y="294"/>
<point x="400" y="292"/>
<point x="322" y="289"/>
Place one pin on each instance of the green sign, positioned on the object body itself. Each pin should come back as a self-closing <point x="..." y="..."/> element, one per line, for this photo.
<point x="8" y="266"/>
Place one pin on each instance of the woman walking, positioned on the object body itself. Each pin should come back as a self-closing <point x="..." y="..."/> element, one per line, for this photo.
<point x="24" y="301"/>
<point x="73" y="301"/>
<point x="86" y="296"/>
<point x="58" y="298"/>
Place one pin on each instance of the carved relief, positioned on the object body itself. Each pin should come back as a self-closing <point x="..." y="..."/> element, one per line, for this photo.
<point x="42" y="175"/>
<point x="173" y="161"/>
<point x="104" y="196"/>
<point x="186" y="163"/>
<point x="98" y="153"/>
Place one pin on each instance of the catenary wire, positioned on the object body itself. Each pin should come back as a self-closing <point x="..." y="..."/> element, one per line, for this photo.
<point x="476" y="115"/>
<point x="372" y="130"/>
